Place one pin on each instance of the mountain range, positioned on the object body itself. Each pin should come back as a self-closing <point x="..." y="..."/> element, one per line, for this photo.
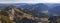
<point x="37" y="8"/>
<point x="33" y="7"/>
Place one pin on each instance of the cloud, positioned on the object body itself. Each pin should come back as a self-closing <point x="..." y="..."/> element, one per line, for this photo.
<point x="45" y="11"/>
<point x="19" y="1"/>
<point x="50" y="1"/>
<point x="55" y="14"/>
<point x="29" y="1"/>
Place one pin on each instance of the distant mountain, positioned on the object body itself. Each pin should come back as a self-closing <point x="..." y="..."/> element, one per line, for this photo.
<point x="35" y="8"/>
<point x="40" y="7"/>
<point x="55" y="10"/>
<point x="29" y="6"/>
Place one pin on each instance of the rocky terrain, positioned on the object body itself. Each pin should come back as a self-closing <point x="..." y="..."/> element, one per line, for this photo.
<point x="21" y="15"/>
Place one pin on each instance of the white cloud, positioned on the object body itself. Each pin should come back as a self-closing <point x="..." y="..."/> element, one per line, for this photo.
<point x="29" y="1"/>
<point x="19" y="1"/>
<point x="50" y="1"/>
<point x="45" y="11"/>
<point x="55" y="14"/>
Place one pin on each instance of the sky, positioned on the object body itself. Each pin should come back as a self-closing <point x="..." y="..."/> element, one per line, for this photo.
<point x="29" y="1"/>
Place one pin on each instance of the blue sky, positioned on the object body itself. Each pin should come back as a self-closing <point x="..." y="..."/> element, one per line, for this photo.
<point x="29" y="1"/>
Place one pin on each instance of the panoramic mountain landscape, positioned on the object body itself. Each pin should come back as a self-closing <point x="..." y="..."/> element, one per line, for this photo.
<point x="29" y="13"/>
<point x="23" y="13"/>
